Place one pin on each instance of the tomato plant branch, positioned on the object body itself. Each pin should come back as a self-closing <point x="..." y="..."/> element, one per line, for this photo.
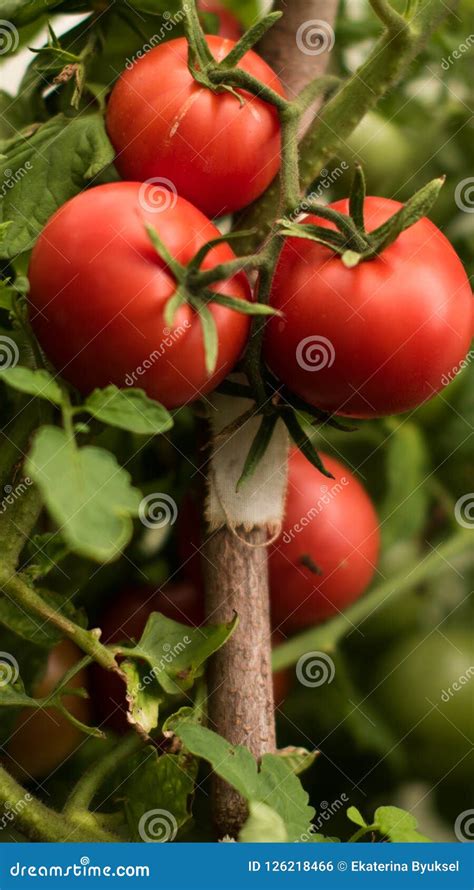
<point x="86" y="788"/>
<point x="327" y="636"/>
<point x="38" y="822"/>
<point x="389" y="58"/>
<point x="17" y="587"/>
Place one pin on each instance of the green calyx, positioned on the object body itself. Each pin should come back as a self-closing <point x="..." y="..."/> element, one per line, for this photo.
<point x="224" y="76"/>
<point x="350" y="240"/>
<point x="194" y="287"/>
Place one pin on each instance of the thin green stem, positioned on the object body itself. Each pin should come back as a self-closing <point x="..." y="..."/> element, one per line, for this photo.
<point x="84" y="792"/>
<point x="204" y="278"/>
<point x="40" y="823"/>
<point x="329" y="634"/>
<point x="386" y="64"/>
<point x="290" y="175"/>
<point x="241" y="79"/>
<point x="249" y="39"/>
<point x="19" y="590"/>
<point x="393" y="21"/>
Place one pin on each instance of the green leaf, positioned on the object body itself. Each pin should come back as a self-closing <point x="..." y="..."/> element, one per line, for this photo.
<point x="258" y="448"/>
<point x="356" y="817"/>
<point x="398" y="825"/>
<point x="13" y="695"/>
<point x="32" y="628"/>
<point x="144" y="696"/>
<point x="298" y="759"/>
<point x="209" y="333"/>
<point x="273" y="784"/>
<point x="171" y="656"/>
<point x="404" y="511"/>
<point x="20" y="12"/>
<point x="87" y="493"/>
<point x="36" y="383"/>
<point x="303" y="442"/>
<point x="264" y="826"/>
<point x="242" y="306"/>
<point x="158" y="794"/>
<point x="49" y="166"/>
<point x="129" y="409"/>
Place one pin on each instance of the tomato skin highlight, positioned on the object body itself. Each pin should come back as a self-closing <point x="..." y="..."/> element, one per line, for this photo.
<point x="334" y="524"/>
<point x="42" y="740"/>
<point x="217" y="153"/>
<point x="98" y="291"/>
<point x="389" y="330"/>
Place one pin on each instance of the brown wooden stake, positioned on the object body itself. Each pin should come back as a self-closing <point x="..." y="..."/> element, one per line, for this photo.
<point x="241" y="706"/>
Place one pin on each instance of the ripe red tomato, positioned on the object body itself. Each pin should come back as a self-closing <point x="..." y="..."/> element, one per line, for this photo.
<point x="376" y="339"/>
<point x="99" y="289"/>
<point x="42" y="740"/>
<point x="330" y="526"/>
<point x="229" y="26"/>
<point x="217" y="153"/>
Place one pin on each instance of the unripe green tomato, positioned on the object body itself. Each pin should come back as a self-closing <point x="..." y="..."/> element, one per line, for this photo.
<point x="423" y="690"/>
<point x="384" y="151"/>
